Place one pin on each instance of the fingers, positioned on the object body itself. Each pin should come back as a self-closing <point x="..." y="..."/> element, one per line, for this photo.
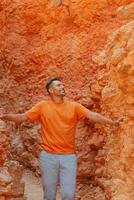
<point x="120" y="121"/>
<point x="1" y="116"/>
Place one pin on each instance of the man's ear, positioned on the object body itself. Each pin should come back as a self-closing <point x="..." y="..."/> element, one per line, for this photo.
<point x="50" y="90"/>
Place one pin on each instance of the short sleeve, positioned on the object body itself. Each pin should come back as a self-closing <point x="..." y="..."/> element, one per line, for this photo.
<point x="81" y="111"/>
<point x="34" y="113"/>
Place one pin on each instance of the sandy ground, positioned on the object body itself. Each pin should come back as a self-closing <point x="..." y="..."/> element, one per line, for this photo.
<point x="33" y="187"/>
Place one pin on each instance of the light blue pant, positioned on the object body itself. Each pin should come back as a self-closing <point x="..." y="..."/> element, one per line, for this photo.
<point x="58" y="169"/>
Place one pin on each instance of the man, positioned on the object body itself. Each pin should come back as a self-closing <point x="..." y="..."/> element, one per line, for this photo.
<point x="58" y="118"/>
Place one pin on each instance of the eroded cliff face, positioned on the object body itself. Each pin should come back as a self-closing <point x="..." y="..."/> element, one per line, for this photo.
<point x="40" y="39"/>
<point x="117" y="98"/>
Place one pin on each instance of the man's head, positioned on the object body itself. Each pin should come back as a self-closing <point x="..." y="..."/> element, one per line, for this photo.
<point x="55" y="87"/>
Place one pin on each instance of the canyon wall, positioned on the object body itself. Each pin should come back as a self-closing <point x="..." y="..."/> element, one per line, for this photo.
<point x="89" y="44"/>
<point x="117" y="99"/>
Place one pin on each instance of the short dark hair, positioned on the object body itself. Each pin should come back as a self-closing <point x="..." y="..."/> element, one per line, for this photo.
<point x="50" y="81"/>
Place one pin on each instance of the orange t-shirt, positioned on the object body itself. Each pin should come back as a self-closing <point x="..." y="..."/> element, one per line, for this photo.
<point x="58" y="122"/>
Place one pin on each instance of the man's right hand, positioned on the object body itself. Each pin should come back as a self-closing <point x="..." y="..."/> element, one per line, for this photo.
<point x="17" y="118"/>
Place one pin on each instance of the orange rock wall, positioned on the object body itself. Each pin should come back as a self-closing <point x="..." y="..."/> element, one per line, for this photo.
<point x="40" y="39"/>
<point x="43" y="39"/>
<point x="11" y="184"/>
<point x="117" y="99"/>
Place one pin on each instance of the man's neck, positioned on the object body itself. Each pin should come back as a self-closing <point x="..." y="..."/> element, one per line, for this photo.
<point x="56" y="99"/>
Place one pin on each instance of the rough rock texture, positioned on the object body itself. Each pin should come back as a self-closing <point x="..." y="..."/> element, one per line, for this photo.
<point x="40" y="39"/>
<point x="126" y="12"/>
<point x="11" y="184"/>
<point x="116" y="175"/>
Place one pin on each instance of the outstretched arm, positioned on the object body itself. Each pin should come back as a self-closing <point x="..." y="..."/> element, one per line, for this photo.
<point x="96" y="117"/>
<point x="17" y="118"/>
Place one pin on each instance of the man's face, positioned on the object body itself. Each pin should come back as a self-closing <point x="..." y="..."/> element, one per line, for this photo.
<point x="57" y="89"/>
